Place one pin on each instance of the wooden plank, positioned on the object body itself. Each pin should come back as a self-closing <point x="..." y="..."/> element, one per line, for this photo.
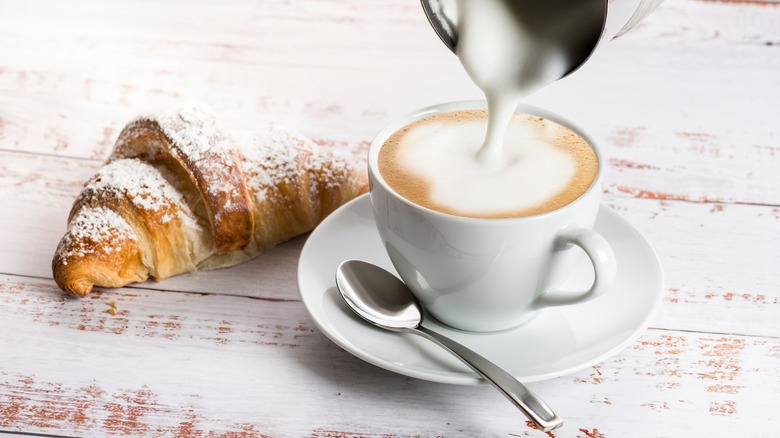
<point x="121" y="61"/>
<point x="193" y="365"/>
<point x="695" y="136"/>
<point x="714" y="255"/>
<point x="717" y="273"/>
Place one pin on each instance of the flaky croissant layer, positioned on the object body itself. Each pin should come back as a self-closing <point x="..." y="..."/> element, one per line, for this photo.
<point x="180" y="193"/>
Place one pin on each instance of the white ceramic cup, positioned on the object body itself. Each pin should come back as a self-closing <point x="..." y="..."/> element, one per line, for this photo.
<point x="489" y="274"/>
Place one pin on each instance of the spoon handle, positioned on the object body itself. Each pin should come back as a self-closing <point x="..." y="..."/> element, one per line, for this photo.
<point x="529" y="403"/>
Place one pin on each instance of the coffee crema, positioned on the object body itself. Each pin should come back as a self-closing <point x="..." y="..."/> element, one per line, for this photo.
<point x="432" y="163"/>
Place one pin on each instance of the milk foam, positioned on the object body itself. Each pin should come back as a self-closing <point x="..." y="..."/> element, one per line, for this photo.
<point x="441" y="153"/>
<point x="501" y="164"/>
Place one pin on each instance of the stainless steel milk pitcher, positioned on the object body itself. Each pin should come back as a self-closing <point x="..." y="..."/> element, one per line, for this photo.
<point x="578" y="26"/>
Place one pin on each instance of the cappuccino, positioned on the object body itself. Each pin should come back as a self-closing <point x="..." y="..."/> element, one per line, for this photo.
<point x="543" y="166"/>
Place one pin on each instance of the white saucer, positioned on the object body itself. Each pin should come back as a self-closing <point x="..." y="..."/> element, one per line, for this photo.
<point x="557" y="341"/>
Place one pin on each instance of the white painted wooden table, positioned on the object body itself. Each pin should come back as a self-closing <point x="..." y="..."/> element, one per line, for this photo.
<point x="686" y="107"/>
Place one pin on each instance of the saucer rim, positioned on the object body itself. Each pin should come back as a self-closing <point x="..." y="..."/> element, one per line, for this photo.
<point x="470" y="377"/>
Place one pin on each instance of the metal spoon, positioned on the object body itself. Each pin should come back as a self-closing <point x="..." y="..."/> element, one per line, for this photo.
<point x="575" y="26"/>
<point x="383" y="300"/>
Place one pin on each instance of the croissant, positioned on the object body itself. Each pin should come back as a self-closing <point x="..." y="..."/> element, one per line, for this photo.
<point x="179" y="193"/>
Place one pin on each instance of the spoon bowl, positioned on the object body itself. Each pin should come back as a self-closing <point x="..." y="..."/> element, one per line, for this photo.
<point x="382" y="299"/>
<point x="377" y="296"/>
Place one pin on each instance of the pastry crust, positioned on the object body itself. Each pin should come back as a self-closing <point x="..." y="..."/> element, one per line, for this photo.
<point x="194" y="138"/>
<point x="180" y="193"/>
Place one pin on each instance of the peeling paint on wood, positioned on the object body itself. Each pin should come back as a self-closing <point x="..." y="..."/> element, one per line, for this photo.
<point x="129" y="412"/>
<point x="232" y="353"/>
<point x="594" y="433"/>
<point x="89" y="316"/>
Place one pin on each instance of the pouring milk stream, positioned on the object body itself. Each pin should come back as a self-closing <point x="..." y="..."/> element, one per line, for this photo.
<point x="507" y="62"/>
<point x="511" y="48"/>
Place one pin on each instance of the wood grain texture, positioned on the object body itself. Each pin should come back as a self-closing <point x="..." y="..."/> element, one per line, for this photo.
<point x="697" y="69"/>
<point x="208" y="363"/>
<point x="702" y="284"/>
<point x="684" y="107"/>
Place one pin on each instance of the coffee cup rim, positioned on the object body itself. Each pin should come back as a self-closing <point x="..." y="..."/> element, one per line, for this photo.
<point x="381" y="137"/>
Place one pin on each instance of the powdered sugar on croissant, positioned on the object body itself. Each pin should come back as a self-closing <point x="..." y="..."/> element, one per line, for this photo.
<point x="180" y="193"/>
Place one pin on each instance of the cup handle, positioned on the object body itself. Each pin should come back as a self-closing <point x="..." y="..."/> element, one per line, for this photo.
<point x="604" y="267"/>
